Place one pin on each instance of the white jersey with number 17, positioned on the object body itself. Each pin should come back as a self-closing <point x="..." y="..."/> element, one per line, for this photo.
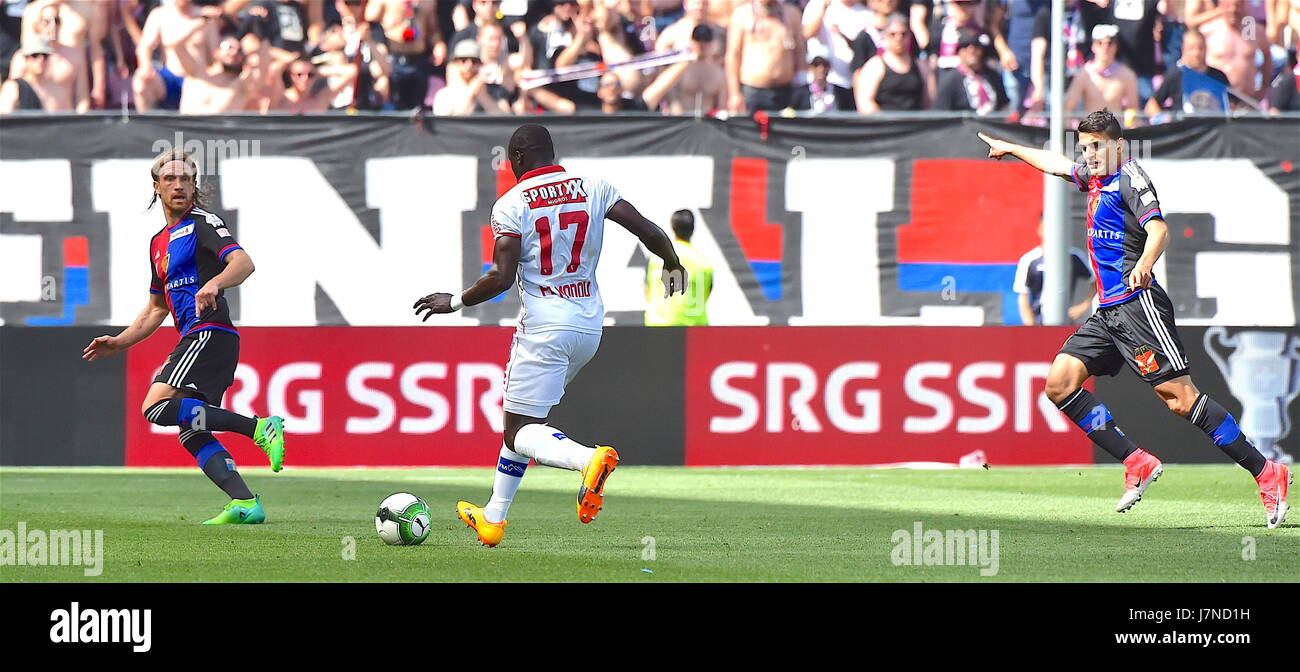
<point x="559" y="219"/>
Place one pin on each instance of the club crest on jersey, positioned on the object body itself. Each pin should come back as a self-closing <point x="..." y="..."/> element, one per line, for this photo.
<point x="1146" y="360"/>
<point x="556" y="193"/>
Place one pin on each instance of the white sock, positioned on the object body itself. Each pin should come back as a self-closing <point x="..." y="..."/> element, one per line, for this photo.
<point x="549" y="446"/>
<point x="510" y="473"/>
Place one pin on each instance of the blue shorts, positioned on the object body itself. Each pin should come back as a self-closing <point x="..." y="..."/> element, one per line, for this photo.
<point x="173" y="84"/>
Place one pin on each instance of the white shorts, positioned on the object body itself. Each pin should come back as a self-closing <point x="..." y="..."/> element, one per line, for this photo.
<point x="541" y="365"/>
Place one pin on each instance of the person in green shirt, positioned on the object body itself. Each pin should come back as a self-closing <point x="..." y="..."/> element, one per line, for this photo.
<point x="687" y="309"/>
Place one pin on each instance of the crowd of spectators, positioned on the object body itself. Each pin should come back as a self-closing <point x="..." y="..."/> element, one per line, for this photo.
<point x="457" y="57"/>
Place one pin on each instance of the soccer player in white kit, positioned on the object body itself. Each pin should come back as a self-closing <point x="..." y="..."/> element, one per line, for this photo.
<point x="548" y="231"/>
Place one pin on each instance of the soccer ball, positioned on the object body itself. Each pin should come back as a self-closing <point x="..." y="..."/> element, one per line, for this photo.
<point x="402" y="520"/>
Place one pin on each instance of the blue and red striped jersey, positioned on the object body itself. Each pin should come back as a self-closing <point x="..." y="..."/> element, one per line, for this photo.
<point x="1119" y="207"/>
<point x="185" y="256"/>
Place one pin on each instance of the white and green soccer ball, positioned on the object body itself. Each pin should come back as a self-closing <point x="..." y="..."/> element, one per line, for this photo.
<point x="402" y="520"/>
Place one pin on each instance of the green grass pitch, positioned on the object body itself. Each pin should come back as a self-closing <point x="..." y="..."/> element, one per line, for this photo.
<point x="1198" y="523"/>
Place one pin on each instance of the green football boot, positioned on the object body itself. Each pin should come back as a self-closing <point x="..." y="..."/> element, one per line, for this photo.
<point x="269" y="436"/>
<point x="240" y="512"/>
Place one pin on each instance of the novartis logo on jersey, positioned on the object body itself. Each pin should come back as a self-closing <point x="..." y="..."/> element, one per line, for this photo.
<point x="1094" y="232"/>
<point x="568" y="191"/>
<point x="181" y="282"/>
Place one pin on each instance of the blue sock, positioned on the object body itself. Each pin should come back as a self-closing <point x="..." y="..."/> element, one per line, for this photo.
<point x="216" y="463"/>
<point x="1095" y="420"/>
<point x="1221" y="427"/>
<point x="190" y="413"/>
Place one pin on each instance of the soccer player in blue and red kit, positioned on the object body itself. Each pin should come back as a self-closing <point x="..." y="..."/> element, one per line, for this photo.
<point x="193" y="258"/>
<point x="1134" y="324"/>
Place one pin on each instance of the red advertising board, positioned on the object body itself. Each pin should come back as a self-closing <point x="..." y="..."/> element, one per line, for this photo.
<point x="349" y="396"/>
<point x="854" y="395"/>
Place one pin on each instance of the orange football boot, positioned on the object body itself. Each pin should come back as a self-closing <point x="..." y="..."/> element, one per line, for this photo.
<point x="488" y="533"/>
<point x="591" y="495"/>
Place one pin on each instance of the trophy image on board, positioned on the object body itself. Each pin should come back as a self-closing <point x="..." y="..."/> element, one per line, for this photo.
<point x="1263" y="373"/>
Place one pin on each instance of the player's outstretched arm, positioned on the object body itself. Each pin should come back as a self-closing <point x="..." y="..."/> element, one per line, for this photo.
<point x="1042" y="159"/>
<point x="655" y="240"/>
<point x="141" y="328"/>
<point x="499" y="278"/>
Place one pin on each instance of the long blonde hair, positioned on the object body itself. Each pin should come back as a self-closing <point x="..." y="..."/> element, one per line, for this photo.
<point x="178" y="155"/>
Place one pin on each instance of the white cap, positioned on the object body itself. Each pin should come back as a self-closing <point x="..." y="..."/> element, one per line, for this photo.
<point x="1104" y="31"/>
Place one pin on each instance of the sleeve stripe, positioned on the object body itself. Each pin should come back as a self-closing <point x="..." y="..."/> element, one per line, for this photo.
<point x="228" y="249"/>
<point x="155" y="290"/>
<point x="1155" y="212"/>
<point x="507" y="233"/>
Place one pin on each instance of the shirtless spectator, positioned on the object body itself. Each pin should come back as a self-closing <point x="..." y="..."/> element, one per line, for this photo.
<point x="1103" y="82"/>
<point x="765" y="52"/>
<point x="83" y="25"/>
<point x="67" y="80"/>
<point x="158" y="84"/>
<point x="693" y="87"/>
<point x="305" y="90"/>
<point x="688" y="87"/>
<point x="33" y="91"/>
<point x="416" y="45"/>
<point x="678" y="34"/>
<point x="831" y="27"/>
<point x="467" y="90"/>
<point x="1227" y="50"/>
<point x="223" y="86"/>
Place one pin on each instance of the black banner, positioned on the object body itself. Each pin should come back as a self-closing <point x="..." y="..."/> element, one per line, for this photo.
<point x="816" y="221"/>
